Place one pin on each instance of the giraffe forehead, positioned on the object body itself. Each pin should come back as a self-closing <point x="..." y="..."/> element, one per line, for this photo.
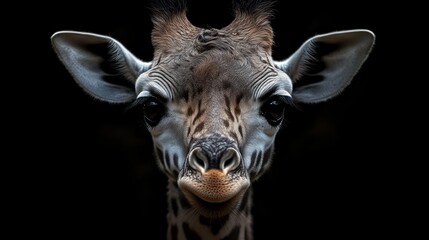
<point x="212" y="75"/>
<point x="219" y="75"/>
<point x="218" y="72"/>
<point x="206" y="72"/>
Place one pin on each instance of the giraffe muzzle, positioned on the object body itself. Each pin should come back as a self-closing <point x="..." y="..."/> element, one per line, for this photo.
<point x="225" y="161"/>
<point x="214" y="178"/>
<point x="214" y="152"/>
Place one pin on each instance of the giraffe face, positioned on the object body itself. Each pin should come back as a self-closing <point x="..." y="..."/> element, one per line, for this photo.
<point x="213" y="99"/>
<point x="213" y="132"/>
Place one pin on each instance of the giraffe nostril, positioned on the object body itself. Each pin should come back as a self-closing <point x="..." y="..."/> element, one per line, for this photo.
<point x="230" y="160"/>
<point x="199" y="161"/>
<point x="214" y="156"/>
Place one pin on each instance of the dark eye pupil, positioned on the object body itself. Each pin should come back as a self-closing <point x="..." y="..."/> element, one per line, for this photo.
<point x="273" y="111"/>
<point x="153" y="111"/>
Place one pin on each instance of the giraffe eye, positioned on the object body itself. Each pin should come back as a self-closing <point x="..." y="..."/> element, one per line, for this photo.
<point x="153" y="111"/>
<point x="273" y="111"/>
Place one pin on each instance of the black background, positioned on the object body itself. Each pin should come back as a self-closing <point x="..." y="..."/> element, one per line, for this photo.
<point x="86" y="169"/>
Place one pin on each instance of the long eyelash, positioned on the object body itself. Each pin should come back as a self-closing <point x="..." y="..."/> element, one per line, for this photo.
<point x="136" y="104"/>
<point x="134" y="111"/>
<point x="287" y="100"/>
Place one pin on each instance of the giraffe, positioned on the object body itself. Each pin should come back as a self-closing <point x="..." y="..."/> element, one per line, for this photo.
<point x="213" y="101"/>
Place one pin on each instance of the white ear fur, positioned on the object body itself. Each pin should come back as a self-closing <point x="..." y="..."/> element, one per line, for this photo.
<point x="102" y="66"/>
<point x="325" y="64"/>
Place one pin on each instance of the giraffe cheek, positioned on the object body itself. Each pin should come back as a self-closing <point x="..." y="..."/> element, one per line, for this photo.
<point x="171" y="153"/>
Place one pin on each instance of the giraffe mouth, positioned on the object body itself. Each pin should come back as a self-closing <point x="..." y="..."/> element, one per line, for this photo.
<point x="214" y="209"/>
<point x="213" y="194"/>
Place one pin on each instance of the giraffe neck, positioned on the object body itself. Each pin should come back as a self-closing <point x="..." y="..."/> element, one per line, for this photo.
<point x="185" y="224"/>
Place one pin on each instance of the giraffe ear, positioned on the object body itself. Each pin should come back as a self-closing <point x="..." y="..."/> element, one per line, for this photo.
<point x="102" y="66"/>
<point x="325" y="64"/>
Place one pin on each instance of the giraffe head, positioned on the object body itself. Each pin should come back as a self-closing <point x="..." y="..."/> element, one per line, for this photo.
<point x="213" y="99"/>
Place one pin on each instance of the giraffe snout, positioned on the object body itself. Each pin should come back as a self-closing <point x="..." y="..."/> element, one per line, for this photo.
<point x="214" y="152"/>
<point x="214" y="180"/>
<point x="226" y="160"/>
